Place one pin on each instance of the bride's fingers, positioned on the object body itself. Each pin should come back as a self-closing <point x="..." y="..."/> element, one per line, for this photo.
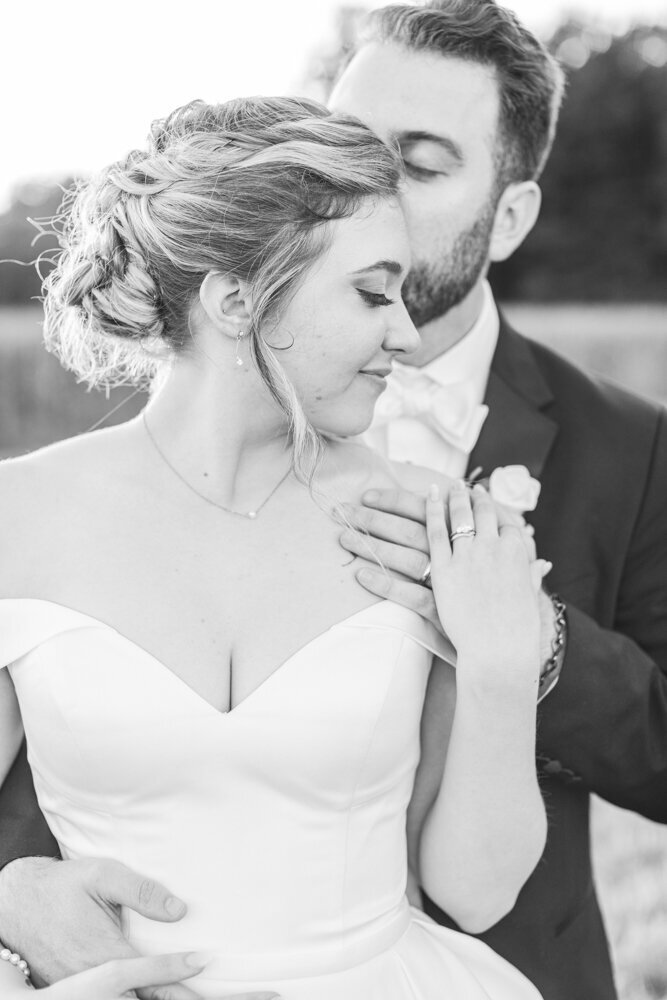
<point x="117" y="978"/>
<point x="485" y="514"/>
<point x="436" y="527"/>
<point x="538" y="570"/>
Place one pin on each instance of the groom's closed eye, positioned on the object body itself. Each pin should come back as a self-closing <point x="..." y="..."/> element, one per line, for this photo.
<point x="426" y="155"/>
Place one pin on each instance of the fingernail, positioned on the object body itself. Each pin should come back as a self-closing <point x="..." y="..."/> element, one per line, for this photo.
<point x="371" y="496"/>
<point x="364" y="576"/>
<point x="458" y="484"/>
<point x="175" y="907"/>
<point x="199" y="959"/>
<point x="478" y="488"/>
<point x="434" y="492"/>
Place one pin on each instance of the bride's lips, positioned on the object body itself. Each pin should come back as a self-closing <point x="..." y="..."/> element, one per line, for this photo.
<point x="378" y="375"/>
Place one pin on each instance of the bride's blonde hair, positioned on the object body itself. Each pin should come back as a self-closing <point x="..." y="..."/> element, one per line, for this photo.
<point x="245" y="188"/>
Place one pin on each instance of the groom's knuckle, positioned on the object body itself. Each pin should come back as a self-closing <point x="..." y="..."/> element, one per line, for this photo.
<point x="414" y="534"/>
<point x="391" y="498"/>
<point x="147" y="892"/>
<point x="422" y="602"/>
<point x="371" y="522"/>
<point x="97" y="872"/>
<point x="382" y="584"/>
<point x="415" y="564"/>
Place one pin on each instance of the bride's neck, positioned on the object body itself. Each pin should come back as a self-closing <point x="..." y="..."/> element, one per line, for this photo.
<point x="221" y="431"/>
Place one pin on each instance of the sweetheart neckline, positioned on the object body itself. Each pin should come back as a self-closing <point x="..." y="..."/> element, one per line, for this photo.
<point x="164" y="669"/>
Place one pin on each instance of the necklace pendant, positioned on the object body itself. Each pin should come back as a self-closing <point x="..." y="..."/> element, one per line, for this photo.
<point x="239" y="362"/>
<point x="252" y="514"/>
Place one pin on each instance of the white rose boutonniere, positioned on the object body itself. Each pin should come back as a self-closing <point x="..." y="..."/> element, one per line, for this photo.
<point x="514" y="487"/>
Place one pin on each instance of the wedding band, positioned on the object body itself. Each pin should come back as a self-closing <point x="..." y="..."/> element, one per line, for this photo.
<point x="425" y="578"/>
<point x="465" y="531"/>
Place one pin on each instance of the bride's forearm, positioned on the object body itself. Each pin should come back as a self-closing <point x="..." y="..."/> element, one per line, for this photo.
<point x="487" y="827"/>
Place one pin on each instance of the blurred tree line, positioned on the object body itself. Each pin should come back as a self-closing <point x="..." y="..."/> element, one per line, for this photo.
<point x="602" y="234"/>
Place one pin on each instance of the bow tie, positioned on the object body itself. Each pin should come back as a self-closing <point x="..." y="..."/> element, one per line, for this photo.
<point x="451" y="411"/>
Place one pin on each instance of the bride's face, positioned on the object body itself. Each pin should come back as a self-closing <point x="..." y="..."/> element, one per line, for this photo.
<point x="347" y="320"/>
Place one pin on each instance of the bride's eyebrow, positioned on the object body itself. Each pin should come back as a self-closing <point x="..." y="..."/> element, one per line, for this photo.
<point x="392" y="266"/>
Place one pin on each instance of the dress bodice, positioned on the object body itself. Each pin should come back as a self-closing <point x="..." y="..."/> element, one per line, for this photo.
<point x="303" y="785"/>
<point x="281" y="822"/>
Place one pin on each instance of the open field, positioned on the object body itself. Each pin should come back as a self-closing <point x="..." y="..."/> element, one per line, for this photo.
<point x="40" y="403"/>
<point x="630" y="861"/>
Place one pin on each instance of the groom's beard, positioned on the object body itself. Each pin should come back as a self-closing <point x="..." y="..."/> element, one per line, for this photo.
<point x="434" y="287"/>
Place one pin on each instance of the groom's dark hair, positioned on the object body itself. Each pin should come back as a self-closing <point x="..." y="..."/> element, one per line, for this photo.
<point x="530" y="81"/>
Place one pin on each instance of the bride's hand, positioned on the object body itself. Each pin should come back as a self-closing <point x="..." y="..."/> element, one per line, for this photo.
<point x="388" y="533"/>
<point x="484" y="585"/>
<point x="118" y="979"/>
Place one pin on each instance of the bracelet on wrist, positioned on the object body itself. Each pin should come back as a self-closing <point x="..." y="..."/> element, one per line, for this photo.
<point x="551" y="669"/>
<point x="7" y="955"/>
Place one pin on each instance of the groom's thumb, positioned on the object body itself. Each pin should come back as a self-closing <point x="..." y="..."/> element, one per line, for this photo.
<point x="118" y="884"/>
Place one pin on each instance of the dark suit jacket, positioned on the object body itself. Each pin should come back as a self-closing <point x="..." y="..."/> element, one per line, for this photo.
<point x="601" y="456"/>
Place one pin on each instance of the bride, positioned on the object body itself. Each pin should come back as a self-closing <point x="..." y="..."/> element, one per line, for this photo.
<point x="208" y="694"/>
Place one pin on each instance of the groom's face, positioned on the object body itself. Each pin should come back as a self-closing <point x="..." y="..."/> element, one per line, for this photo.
<point x="443" y="112"/>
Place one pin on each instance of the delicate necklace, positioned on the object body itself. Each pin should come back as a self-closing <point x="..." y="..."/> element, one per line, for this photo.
<point x="250" y="514"/>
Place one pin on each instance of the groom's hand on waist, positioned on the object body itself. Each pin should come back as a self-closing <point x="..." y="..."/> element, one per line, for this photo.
<point x="64" y="916"/>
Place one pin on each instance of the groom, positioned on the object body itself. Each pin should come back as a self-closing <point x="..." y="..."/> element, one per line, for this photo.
<point x="472" y="98"/>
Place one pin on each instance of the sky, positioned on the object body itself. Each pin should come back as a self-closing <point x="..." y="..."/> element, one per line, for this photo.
<point x="79" y="87"/>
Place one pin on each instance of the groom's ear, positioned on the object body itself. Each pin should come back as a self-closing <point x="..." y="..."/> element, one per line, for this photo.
<point x="516" y="214"/>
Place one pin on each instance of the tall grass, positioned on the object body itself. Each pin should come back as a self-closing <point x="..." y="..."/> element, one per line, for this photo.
<point x="630" y="862"/>
<point x="39" y="401"/>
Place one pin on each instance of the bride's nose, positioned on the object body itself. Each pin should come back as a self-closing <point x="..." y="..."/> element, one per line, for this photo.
<point x="401" y="334"/>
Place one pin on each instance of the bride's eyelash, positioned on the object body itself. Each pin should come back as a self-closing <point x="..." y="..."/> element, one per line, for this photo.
<point x="375" y="298"/>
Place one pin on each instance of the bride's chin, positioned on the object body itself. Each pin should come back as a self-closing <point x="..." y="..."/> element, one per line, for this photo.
<point x="351" y="425"/>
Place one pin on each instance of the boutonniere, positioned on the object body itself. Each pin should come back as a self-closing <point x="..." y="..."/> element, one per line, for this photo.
<point x="512" y="486"/>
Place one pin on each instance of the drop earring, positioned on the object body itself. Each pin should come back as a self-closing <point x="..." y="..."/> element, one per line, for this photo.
<point x="239" y="359"/>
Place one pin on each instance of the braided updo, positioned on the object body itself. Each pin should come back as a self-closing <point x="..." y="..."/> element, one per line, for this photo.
<point x="243" y="188"/>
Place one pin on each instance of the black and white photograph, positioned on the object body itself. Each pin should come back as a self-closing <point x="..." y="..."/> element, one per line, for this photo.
<point x="333" y="500"/>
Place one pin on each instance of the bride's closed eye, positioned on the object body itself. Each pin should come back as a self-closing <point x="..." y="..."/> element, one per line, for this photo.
<point x="375" y="298"/>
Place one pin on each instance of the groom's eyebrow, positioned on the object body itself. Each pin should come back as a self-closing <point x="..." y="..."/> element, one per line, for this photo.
<point x="392" y="266"/>
<point x="412" y="138"/>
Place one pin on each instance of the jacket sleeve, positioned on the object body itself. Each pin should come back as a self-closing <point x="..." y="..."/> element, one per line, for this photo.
<point x="23" y="829"/>
<point x="605" y="723"/>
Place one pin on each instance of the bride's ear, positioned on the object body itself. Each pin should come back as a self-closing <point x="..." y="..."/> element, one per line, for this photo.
<point x="226" y="301"/>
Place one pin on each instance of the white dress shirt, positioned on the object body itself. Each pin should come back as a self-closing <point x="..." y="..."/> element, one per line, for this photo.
<point x="462" y="373"/>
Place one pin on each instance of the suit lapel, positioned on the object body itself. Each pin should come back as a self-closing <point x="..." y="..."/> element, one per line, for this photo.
<point x="516" y="431"/>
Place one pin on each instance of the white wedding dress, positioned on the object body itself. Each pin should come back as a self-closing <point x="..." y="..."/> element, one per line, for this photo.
<point x="281" y="823"/>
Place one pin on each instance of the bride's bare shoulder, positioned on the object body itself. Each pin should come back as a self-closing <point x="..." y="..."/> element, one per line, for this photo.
<point x="44" y="494"/>
<point x="60" y="466"/>
<point x="418" y="478"/>
<point x="373" y="471"/>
